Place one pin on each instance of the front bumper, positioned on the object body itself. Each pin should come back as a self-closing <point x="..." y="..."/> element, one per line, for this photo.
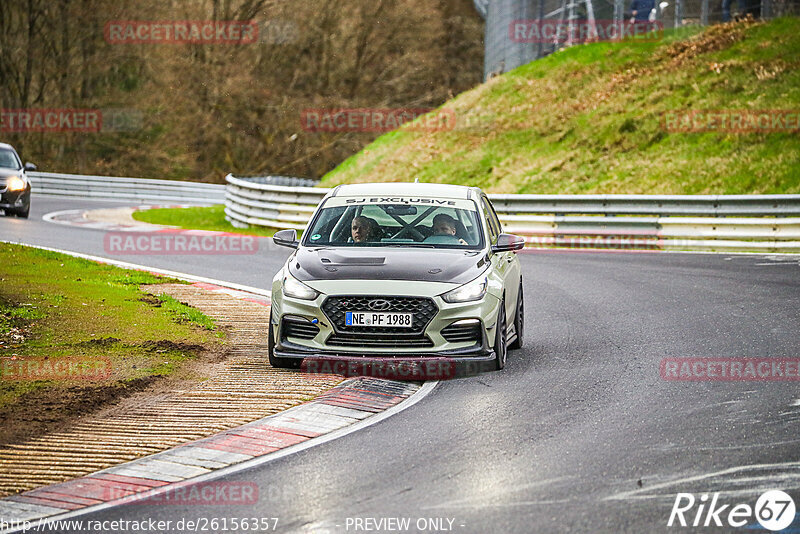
<point x="315" y="340"/>
<point x="14" y="199"/>
<point x="470" y="354"/>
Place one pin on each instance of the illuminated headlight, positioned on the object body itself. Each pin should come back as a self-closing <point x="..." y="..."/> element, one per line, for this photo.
<point x="297" y="289"/>
<point x="470" y="291"/>
<point x="15" y="183"/>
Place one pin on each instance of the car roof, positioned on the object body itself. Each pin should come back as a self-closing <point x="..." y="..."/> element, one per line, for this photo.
<point x="406" y="189"/>
<point x="6" y="145"/>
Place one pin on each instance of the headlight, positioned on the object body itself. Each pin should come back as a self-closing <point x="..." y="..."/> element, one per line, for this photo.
<point x="297" y="289"/>
<point x="15" y="183"/>
<point x="470" y="291"/>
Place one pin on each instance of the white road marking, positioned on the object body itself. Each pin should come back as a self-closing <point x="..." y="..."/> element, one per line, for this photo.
<point x="100" y="224"/>
<point x="482" y="500"/>
<point x="784" y="479"/>
<point x="729" y="447"/>
<point x="484" y="504"/>
<point x="423" y="392"/>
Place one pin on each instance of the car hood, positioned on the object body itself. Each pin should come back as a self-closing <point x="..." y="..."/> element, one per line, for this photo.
<point x="388" y="263"/>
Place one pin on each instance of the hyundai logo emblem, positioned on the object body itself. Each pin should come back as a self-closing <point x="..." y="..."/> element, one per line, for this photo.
<point x="379" y="304"/>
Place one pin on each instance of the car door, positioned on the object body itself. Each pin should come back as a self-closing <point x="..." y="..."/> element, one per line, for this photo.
<point x="505" y="264"/>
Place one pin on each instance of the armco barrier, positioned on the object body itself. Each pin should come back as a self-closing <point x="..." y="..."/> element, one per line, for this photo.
<point x="140" y="190"/>
<point x="272" y="201"/>
<point x="768" y="223"/>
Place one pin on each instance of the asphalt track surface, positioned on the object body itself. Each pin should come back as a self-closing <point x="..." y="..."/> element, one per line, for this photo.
<point x="578" y="434"/>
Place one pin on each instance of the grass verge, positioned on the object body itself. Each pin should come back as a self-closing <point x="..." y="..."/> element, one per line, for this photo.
<point x="205" y="218"/>
<point x="76" y="335"/>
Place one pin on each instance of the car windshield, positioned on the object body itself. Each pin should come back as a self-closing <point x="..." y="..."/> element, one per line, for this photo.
<point x="452" y="225"/>
<point x="9" y="160"/>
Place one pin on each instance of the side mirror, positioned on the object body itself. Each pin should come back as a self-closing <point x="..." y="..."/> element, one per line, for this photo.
<point x="506" y="242"/>
<point x="286" y="238"/>
<point x="30" y="166"/>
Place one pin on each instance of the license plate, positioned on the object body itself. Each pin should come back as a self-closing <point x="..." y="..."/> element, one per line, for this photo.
<point x="378" y="319"/>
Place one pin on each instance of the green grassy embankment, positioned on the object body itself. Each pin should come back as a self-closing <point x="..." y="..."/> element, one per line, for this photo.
<point x="588" y="119"/>
<point x="99" y="319"/>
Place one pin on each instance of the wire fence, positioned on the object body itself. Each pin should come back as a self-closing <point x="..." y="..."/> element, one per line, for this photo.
<point x="520" y="31"/>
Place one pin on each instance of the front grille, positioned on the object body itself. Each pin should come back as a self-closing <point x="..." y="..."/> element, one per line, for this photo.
<point x="459" y="333"/>
<point x="423" y="308"/>
<point x="299" y="328"/>
<point x="375" y="340"/>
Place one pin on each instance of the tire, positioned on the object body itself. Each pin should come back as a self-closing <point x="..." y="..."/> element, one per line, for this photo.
<point x="500" y="345"/>
<point x="22" y="213"/>
<point x="279" y="363"/>
<point x="519" y="321"/>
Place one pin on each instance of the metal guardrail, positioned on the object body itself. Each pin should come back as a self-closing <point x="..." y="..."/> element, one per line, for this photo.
<point x="125" y="189"/>
<point x="664" y="222"/>
<point x="270" y="201"/>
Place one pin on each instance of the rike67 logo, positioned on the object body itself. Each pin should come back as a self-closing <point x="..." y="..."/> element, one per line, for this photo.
<point x="774" y="510"/>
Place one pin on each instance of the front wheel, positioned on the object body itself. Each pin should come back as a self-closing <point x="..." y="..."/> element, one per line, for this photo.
<point x="500" y="346"/>
<point x="519" y="321"/>
<point x="23" y="212"/>
<point x="274" y="361"/>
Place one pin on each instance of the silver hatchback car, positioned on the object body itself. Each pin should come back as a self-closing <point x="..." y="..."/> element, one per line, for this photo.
<point x="398" y="270"/>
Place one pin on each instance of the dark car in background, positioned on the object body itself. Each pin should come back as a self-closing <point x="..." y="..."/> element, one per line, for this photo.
<point x="15" y="187"/>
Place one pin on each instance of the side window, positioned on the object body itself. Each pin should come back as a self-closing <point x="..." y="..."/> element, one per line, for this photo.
<point x="491" y="219"/>
<point x="494" y="216"/>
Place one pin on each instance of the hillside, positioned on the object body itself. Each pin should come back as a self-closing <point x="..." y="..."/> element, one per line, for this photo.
<point x="591" y="119"/>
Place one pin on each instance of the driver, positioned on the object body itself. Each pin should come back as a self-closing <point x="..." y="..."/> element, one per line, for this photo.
<point x="363" y="229"/>
<point x="444" y="224"/>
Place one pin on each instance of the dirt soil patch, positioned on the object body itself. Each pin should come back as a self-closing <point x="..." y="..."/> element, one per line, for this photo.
<point x="218" y="390"/>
